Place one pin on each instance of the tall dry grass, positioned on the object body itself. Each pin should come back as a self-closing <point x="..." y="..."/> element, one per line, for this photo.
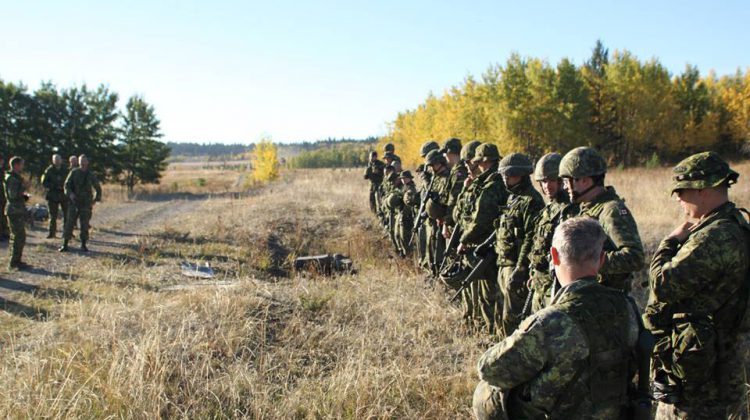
<point x="122" y="341"/>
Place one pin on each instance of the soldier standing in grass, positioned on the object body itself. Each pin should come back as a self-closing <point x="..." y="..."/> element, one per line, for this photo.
<point x="436" y="208"/>
<point x="555" y="211"/>
<point x="4" y="230"/>
<point x="452" y="152"/>
<point x="514" y="236"/>
<point x="83" y="190"/>
<point x="583" y="170"/>
<point x="53" y="181"/>
<point x="574" y="359"/>
<point x="479" y="215"/>
<point x="699" y="295"/>
<point x="15" y="212"/>
<point x="374" y="174"/>
<point x="425" y="176"/>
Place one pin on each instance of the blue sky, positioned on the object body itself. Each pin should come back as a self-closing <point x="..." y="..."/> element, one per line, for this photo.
<point x="231" y="71"/>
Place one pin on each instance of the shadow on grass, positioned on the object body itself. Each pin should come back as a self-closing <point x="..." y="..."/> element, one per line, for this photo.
<point x="24" y="311"/>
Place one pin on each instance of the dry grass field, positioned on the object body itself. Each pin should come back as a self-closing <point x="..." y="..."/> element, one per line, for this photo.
<point x="121" y="333"/>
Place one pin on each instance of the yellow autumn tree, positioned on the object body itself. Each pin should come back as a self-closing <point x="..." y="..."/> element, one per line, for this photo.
<point x="265" y="161"/>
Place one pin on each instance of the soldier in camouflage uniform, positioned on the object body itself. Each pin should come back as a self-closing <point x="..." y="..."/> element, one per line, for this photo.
<point x="425" y="176"/>
<point x="462" y="214"/>
<point x="477" y="215"/>
<point x="558" y="206"/>
<point x="389" y="189"/>
<point x="53" y="181"/>
<point x="699" y="291"/>
<point x="83" y="190"/>
<point x="583" y="170"/>
<point x="15" y="212"/>
<point x="452" y="152"/>
<point x="4" y="230"/>
<point x="409" y="206"/>
<point x="374" y="174"/>
<point x="573" y="359"/>
<point x="514" y="236"/>
<point x="436" y="208"/>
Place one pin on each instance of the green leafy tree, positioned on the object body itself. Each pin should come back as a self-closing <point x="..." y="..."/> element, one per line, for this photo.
<point x="141" y="156"/>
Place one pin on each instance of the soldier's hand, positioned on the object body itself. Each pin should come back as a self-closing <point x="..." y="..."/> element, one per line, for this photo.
<point x="446" y="232"/>
<point x="682" y="231"/>
<point x="461" y="249"/>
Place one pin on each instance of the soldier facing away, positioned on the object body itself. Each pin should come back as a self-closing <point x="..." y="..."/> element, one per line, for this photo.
<point x="583" y="170"/>
<point x="83" y="190"/>
<point x="53" y="181"/>
<point x="699" y="291"/>
<point x="574" y="359"/>
<point x="15" y="211"/>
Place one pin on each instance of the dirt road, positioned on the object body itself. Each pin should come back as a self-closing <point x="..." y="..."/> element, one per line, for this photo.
<point x="114" y="226"/>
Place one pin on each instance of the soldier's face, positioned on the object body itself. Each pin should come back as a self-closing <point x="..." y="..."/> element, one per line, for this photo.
<point x="550" y="187"/>
<point x="691" y="202"/>
<point x="574" y="186"/>
<point x="511" y="180"/>
<point x="485" y="165"/>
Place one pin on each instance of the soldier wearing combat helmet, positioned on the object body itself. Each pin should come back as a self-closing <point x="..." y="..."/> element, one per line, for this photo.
<point x="436" y="208"/>
<point x="514" y="235"/>
<point x="583" y="170"/>
<point x="547" y="175"/>
<point x="452" y="152"/>
<point x="699" y="281"/>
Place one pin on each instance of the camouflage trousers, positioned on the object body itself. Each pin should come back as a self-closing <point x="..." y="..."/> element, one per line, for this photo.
<point x="76" y="213"/>
<point x="489" y="403"/>
<point x="4" y="228"/>
<point x="509" y="309"/>
<point x="472" y="315"/>
<point x="435" y="246"/>
<point x="488" y="296"/>
<point x="54" y="207"/>
<point x="17" y="224"/>
<point x="374" y="197"/>
<point x="541" y="284"/>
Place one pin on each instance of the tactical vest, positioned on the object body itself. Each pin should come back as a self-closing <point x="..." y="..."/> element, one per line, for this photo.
<point x="613" y="279"/>
<point x="603" y="314"/>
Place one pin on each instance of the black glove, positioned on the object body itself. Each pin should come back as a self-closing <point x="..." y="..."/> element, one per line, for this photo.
<point x="519" y="277"/>
<point x="484" y="250"/>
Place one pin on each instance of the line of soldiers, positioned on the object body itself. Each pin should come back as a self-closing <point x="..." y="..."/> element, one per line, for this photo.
<point x="72" y="190"/>
<point x="549" y="275"/>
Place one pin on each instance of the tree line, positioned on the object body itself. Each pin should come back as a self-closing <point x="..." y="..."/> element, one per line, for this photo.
<point x="335" y="155"/>
<point x="633" y="111"/>
<point x="122" y="144"/>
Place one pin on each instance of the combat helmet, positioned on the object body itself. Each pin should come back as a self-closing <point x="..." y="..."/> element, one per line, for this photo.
<point x="702" y="170"/>
<point x="582" y="162"/>
<point x="427" y="147"/>
<point x="469" y="150"/>
<point x="452" y="145"/>
<point x="406" y="174"/>
<point x="388" y="147"/>
<point x="516" y="164"/>
<point x="548" y="167"/>
<point x="434" y="157"/>
<point x="486" y="152"/>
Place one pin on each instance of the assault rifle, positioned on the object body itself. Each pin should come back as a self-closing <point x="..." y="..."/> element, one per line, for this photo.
<point x="421" y="215"/>
<point x="486" y="251"/>
<point x="451" y="249"/>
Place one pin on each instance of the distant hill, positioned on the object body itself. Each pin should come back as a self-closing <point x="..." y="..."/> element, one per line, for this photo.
<point x="222" y="151"/>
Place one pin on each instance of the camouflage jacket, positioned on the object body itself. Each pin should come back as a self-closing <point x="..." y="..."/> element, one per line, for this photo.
<point x="482" y="207"/>
<point x="455" y="186"/>
<point x="556" y="211"/>
<point x="437" y="206"/>
<point x="411" y="196"/>
<point x="623" y="248"/>
<point x="515" y="227"/>
<point x="374" y="172"/>
<point x="53" y="180"/>
<point x="703" y="275"/>
<point x="14" y="195"/>
<point x="83" y="184"/>
<point x="543" y="357"/>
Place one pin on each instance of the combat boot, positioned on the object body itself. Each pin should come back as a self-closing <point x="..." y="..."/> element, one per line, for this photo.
<point x="83" y="247"/>
<point x="64" y="247"/>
